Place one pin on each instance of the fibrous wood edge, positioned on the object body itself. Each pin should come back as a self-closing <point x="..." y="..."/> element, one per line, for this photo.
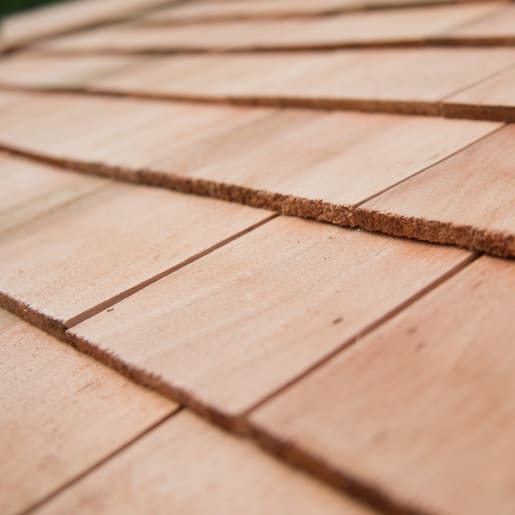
<point x="442" y="108"/>
<point x="495" y="113"/>
<point x="140" y="376"/>
<point x="358" y="488"/>
<point x="239" y="423"/>
<point x="492" y="242"/>
<point x="415" y="42"/>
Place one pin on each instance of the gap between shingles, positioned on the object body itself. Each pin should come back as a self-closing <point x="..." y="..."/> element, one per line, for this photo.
<point x="352" y="340"/>
<point x="71" y="482"/>
<point x="427" y="168"/>
<point x="495" y="243"/>
<point x="239" y="425"/>
<point x="437" y="108"/>
<point x="425" y="42"/>
<point x="478" y="82"/>
<point x="58" y="328"/>
<point x="92" y="311"/>
<point x="359" y="488"/>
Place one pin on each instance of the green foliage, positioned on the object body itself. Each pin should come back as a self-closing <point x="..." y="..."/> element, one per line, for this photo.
<point x="12" y="6"/>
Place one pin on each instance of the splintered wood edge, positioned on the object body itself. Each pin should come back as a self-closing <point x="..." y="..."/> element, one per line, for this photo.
<point x="57" y="328"/>
<point x="238" y="424"/>
<point x="437" y="108"/>
<point x="492" y="242"/>
<point x="486" y="112"/>
<point x="408" y="42"/>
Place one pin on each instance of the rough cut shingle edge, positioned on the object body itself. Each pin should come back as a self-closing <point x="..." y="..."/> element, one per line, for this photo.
<point x="492" y="242"/>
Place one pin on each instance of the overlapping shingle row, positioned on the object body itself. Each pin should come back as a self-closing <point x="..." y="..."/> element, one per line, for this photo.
<point x="380" y="365"/>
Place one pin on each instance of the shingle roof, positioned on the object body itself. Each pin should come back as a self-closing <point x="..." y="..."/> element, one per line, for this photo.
<point x="289" y="224"/>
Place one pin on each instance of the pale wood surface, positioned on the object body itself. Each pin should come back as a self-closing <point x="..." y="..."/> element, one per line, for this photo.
<point x="61" y="413"/>
<point x="340" y="157"/>
<point x="22" y="28"/>
<point x="365" y="75"/>
<point x="223" y="309"/>
<point x="134" y="132"/>
<point x="26" y="70"/>
<point x="480" y="100"/>
<point x="99" y="246"/>
<point x="268" y="158"/>
<point x="499" y="24"/>
<point x="474" y="187"/>
<point x="187" y="467"/>
<point x="422" y="408"/>
<point x="30" y="189"/>
<point x="377" y="27"/>
<point x="211" y="11"/>
<point x="337" y="157"/>
<point x="233" y="327"/>
<point x="475" y="83"/>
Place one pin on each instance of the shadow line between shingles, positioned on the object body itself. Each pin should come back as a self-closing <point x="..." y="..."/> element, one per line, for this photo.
<point x="492" y="242"/>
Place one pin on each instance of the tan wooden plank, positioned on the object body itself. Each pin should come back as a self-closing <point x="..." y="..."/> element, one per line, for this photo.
<point x="420" y="410"/>
<point x="233" y="10"/>
<point x="186" y="466"/>
<point x="252" y="156"/>
<point x="27" y="70"/>
<point x="336" y="157"/>
<point x="97" y="248"/>
<point x="475" y="187"/>
<point x="372" y="28"/>
<point x="61" y="413"/>
<point x="368" y="80"/>
<point x="25" y="27"/>
<point x="30" y="189"/>
<point x="498" y="25"/>
<point x="233" y="327"/>
<point x="360" y="79"/>
<point x="493" y="99"/>
<point x="137" y="132"/>
<point x="340" y="158"/>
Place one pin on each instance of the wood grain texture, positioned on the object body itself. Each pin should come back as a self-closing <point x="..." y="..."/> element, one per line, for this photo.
<point x="202" y="149"/>
<point x="375" y="28"/>
<point x="186" y="466"/>
<point x="498" y="25"/>
<point x="475" y="188"/>
<point x="491" y="99"/>
<point x="269" y="9"/>
<point x="340" y="158"/>
<point x="233" y="327"/>
<point x="139" y="133"/>
<point x="61" y="413"/>
<point x="421" y="409"/>
<point x="30" y="189"/>
<point x="367" y="80"/>
<point x="32" y="25"/>
<point x="29" y="70"/>
<point x="65" y="263"/>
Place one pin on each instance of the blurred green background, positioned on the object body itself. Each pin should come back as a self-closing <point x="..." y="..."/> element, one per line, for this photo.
<point x="12" y="6"/>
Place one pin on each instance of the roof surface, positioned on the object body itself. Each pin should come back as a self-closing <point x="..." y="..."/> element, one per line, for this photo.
<point x="258" y="257"/>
